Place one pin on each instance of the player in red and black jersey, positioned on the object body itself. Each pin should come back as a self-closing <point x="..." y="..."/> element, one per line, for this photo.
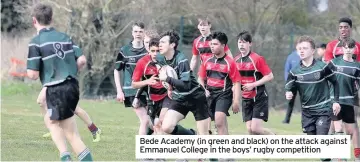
<point x="221" y="75"/>
<point x="145" y="74"/>
<point x="201" y="45"/>
<point x="254" y="73"/>
<point x="334" y="48"/>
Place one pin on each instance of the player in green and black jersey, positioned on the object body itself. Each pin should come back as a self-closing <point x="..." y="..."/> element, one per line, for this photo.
<point x="311" y="78"/>
<point x="126" y="61"/>
<point x="53" y="57"/>
<point x="347" y="72"/>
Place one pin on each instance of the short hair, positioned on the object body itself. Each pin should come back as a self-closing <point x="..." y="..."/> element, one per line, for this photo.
<point x="245" y="36"/>
<point x="220" y="36"/>
<point x="139" y="24"/>
<point x="346" y="20"/>
<point x="151" y="33"/>
<point x="204" y="20"/>
<point x="350" y="43"/>
<point x="174" y="37"/>
<point x="154" y="42"/>
<point x="43" y="13"/>
<point x="322" y="45"/>
<point x="306" y="38"/>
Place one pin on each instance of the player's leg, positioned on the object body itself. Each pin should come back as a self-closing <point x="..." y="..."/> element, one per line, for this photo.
<point x="141" y="113"/>
<point x="222" y="107"/>
<point x="66" y="102"/>
<point x="41" y="100"/>
<point x="322" y="127"/>
<point x="176" y="112"/>
<point x="84" y="116"/>
<point x="337" y="122"/>
<point x="211" y="102"/>
<point x="247" y="113"/>
<point x="351" y="127"/>
<point x="260" y="115"/>
<point x="199" y="108"/>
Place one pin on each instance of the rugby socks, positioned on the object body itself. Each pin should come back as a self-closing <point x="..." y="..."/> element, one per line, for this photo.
<point x="85" y="155"/>
<point x="149" y="131"/>
<point x="339" y="133"/>
<point x="179" y="130"/>
<point x="65" y="156"/>
<point x="357" y="153"/>
<point x="92" y="128"/>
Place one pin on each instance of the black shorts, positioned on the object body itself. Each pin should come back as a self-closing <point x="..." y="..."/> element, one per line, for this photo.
<point x="220" y="102"/>
<point x="346" y="114"/>
<point x="318" y="122"/>
<point x="154" y="107"/>
<point x="198" y="106"/>
<point x="257" y="107"/>
<point x="129" y="101"/>
<point x="62" y="99"/>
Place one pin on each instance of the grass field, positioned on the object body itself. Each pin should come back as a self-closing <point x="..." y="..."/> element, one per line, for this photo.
<point x="22" y="127"/>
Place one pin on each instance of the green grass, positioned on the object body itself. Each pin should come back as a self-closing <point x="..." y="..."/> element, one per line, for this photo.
<point x="22" y="127"/>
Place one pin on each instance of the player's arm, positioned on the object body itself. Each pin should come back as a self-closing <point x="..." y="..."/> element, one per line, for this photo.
<point x="287" y="67"/>
<point x="80" y="58"/>
<point x="119" y="66"/>
<point x="234" y="75"/>
<point x="194" y="57"/>
<point x="329" y="75"/>
<point x="202" y="75"/>
<point x="265" y="70"/>
<point x="228" y="51"/>
<point x="33" y="61"/>
<point x="182" y="84"/>
<point x="137" y="81"/>
<point x="290" y="87"/>
<point x="328" y="55"/>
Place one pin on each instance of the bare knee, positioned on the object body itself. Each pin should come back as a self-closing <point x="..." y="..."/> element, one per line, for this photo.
<point x="220" y="122"/>
<point x="167" y="128"/>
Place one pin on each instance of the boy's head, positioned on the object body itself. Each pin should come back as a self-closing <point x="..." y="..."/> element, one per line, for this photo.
<point x="218" y="42"/>
<point x="348" y="46"/>
<point x="244" y="41"/>
<point x="204" y="26"/>
<point x="345" y="25"/>
<point x="321" y="49"/>
<point x="149" y="34"/>
<point x="168" y="41"/>
<point x="138" y="31"/>
<point x="305" y="47"/>
<point x="153" y="47"/>
<point x="42" y="15"/>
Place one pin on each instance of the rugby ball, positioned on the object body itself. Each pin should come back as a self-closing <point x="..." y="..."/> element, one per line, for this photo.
<point x="170" y="72"/>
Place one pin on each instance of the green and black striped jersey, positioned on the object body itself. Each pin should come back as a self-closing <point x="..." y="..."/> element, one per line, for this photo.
<point x="312" y="84"/>
<point x="126" y="61"/>
<point x="54" y="55"/>
<point x="347" y="75"/>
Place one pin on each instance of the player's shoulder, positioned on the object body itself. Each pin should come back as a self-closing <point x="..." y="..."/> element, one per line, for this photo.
<point x="35" y="41"/>
<point x="180" y="57"/>
<point x="197" y="39"/>
<point x="296" y="69"/>
<point x="256" y="57"/>
<point x="125" y="47"/>
<point x="337" y="60"/>
<point x="144" y="59"/>
<point x="320" y="65"/>
<point x="332" y="43"/>
<point x="229" y="59"/>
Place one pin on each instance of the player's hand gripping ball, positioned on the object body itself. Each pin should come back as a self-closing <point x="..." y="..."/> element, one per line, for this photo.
<point x="164" y="72"/>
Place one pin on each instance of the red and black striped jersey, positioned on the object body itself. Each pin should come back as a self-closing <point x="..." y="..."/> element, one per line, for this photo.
<point x="145" y="68"/>
<point x="201" y="46"/>
<point x="219" y="73"/>
<point x="252" y="68"/>
<point x="334" y="49"/>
